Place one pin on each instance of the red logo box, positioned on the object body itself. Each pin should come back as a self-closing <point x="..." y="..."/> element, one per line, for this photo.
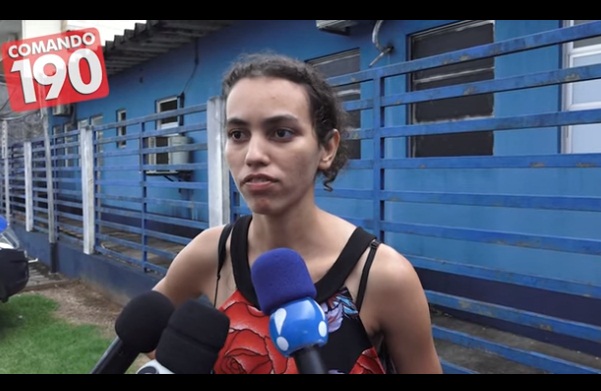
<point x="55" y="69"/>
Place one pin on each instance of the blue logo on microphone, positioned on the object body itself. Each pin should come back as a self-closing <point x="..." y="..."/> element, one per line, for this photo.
<point x="298" y="324"/>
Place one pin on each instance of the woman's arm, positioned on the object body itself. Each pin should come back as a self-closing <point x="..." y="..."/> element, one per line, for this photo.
<point x="193" y="271"/>
<point x="399" y="303"/>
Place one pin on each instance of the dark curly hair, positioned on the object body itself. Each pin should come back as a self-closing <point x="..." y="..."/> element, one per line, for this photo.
<point x="324" y="106"/>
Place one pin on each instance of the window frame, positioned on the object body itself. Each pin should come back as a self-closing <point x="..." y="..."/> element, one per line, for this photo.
<point x="160" y="123"/>
<point x="571" y="53"/>
<point x="121" y="115"/>
<point x="353" y="145"/>
<point x="485" y="140"/>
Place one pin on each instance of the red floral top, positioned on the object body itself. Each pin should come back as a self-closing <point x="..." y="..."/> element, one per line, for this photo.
<point x="249" y="349"/>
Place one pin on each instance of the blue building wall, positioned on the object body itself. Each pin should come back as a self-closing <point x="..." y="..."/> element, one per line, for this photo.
<point x="196" y="70"/>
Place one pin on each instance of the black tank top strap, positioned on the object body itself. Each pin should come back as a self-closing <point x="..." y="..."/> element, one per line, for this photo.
<point x="221" y="251"/>
<point x="221" y="247"/>
<point x="240" y="266"/>
<point x="348" y="258"/>
<point x="365" y="273"/>
<point x="326" y="287"/>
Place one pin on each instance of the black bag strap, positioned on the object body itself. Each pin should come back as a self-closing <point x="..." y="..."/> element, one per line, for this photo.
<point x="221" y="254"/>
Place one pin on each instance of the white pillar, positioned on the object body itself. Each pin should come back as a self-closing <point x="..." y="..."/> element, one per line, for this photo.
<point x="28" y="162"/>
<point x="86" y="153"/>
<point x="6" y="171"/>
<point x="218" y="172"/>
<point x="49" y="177"/>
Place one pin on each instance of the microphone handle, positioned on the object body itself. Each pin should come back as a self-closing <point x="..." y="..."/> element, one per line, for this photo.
<point x="153" y="367"/>
<point x="116" y="360"/>
<point x="309" y="361"/>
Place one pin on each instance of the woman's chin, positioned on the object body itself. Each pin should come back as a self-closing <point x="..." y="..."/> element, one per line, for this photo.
<point x="261" y="208"/>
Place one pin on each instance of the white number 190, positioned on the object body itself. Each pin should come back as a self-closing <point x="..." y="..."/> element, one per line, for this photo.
<point x="57" y="79"/>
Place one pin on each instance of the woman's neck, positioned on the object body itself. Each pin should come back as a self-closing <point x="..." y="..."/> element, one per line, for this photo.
<point x="293" y="230"/>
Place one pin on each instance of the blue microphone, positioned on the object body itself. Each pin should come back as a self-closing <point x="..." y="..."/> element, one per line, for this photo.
<point x="285" y="292"/>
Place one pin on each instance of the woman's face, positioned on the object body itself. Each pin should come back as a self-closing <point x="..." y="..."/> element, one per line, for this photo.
<point x="271" y="149"/>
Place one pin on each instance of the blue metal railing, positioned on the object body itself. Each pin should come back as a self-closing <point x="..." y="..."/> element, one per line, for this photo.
<point x="129" y="214"/>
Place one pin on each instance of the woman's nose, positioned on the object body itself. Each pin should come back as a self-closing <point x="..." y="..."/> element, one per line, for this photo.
<point x="256" y="152"/>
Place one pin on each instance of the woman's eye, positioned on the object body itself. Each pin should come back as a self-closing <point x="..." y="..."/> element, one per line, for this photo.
<point x="235" y="134"/>
<point x="283" y="133"/>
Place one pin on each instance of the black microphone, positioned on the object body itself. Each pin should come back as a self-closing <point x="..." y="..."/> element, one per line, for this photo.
<point x="138" y="327"/>
<point x="195" y="334"/>
<point x="285" y="291"/>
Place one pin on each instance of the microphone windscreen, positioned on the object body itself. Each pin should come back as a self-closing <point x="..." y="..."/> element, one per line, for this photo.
<point x="193" y="338"/>
<point x="142" y="321"/>
<point x="280" y="276"/>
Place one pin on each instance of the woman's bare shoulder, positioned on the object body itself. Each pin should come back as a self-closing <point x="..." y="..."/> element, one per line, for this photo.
<point x="205" y="243"/>
<point x="399" y="307"/>
<point x="393" y="272"/>
<point x="190" y="272"/>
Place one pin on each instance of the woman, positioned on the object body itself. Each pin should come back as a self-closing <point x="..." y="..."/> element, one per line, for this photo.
<point x="285" y="129"/>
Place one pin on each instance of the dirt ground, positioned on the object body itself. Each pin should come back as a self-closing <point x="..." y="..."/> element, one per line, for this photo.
<point x="80" y="304"/>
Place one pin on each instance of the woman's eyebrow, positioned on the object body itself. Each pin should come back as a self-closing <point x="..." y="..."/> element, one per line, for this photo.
<point x="276" y="119"/>
<point x="235" y="122"/>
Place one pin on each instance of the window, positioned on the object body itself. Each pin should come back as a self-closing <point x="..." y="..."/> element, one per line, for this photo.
<point x="121" y="130"/>
<point x="97" y="120"/>
<point x="163" y="158"/>
<point x="584" y="138"/>
<point x="168" y="105"/>
<point x="340" y="64"/>
<point x="442" y="40"/>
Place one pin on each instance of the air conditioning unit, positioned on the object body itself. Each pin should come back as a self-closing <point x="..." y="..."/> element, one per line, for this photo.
<point x="167" y="158"/>
<point x="335" y="26"/>
<point x="62" y="110"/>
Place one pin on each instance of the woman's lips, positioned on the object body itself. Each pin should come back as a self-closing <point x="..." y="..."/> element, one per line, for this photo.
<point x="258" y="182"/>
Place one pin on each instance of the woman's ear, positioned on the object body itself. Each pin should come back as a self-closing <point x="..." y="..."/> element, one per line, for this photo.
<point x="329" y="149"/>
